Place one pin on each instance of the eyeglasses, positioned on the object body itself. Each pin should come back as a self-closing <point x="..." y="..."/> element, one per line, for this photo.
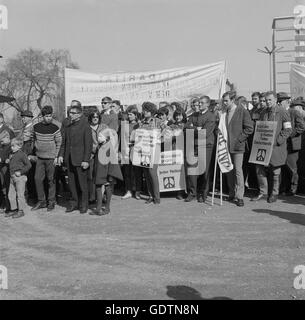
<point x="72" y="112"/>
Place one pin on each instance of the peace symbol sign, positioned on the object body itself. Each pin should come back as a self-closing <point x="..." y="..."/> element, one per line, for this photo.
<point x="145" y="160"/>
<point x="169" y="182"/>
<point x="261" y="155"/>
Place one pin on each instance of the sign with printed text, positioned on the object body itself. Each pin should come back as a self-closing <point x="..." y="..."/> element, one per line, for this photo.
<point x="136" y="87"/>
<point x="146" y="151"/>
<point x="171" y="172"/>
<point x="263" y="142"/>
<point x="297" y="80"/>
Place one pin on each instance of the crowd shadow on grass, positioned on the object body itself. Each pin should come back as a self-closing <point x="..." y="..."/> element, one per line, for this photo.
<point x="293" y="217"/>
<point x="188" y="293"/>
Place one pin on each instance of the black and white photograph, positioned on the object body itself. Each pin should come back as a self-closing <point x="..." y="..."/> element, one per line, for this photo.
<point x="152" y="150"/>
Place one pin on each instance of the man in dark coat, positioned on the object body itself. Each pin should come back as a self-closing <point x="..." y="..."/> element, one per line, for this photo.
<point x="294" y="144"/>
<point x="75" y="151"/>
<point x="274" y="112"/>
<point x="239" y="126"/>
<point x="203" y="119"/>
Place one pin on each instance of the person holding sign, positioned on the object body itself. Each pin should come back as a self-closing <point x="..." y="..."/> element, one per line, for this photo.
<point x="150" y="123"/>
<point x="132" y="174"/>
<point x="239" y="126"/>
<point x="274" y="112"/>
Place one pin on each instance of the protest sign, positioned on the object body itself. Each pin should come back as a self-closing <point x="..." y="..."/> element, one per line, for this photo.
<point x="263" y="142"/>
<point x="297" y="80"/>
<point x="171" y="173"/>
<point x="136" y="87"/>
<point x="146" y="150"/>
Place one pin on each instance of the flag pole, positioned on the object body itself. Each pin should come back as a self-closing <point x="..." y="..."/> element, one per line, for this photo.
<point x="215" y="171"/>
<point x="220" y="187"/>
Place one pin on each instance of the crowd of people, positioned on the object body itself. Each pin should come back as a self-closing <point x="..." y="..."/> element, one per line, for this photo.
<point x="48" y="157"/>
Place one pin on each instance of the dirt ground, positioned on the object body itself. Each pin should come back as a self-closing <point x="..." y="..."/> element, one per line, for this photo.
<point x="175" y="250"/>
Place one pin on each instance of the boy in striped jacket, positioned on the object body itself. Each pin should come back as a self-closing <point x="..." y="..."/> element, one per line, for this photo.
<point x="47" y="141"/>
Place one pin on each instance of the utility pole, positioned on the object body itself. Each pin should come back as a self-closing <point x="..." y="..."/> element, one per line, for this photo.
<point x="270" y="53"/>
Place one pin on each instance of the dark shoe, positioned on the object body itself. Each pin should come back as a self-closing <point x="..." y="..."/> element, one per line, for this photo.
<point x="137" y="195"/>
<point x="51" y="206"/>
<point x="240" y="202"/>
<point x="200" y="199"/>
<point x="231" y="199"/>
<point x="259" y="197"/>
<point x="272" y="199"/>
<point x="105" y="211"/>
<point x="156" y="201"/>
<point x="189" y="198"/>
<point x="18" y="214"/>
<point x="39" y="205"/>
<point x="290" y="194"/>
<point x="71" y="209"/>
<point x="149" y="200"/>
<point x="10" y="213"/>
<point x="83" y="210"/>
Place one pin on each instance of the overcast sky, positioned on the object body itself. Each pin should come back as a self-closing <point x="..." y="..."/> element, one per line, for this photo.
<point x="135" y="35"/>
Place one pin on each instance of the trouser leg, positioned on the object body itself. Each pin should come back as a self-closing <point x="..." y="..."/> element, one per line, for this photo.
<point x="72" y="184"/>
<point x="137" y="171"/>
<point x="108" y="191"/>
<point x="50" y="171"/>
<point x="239" y="175"/>
<point x="154" y="182"/>
<point x="192" y="184"/>
<point x="128" y="177"/>
<point x="291" y="162"/>
<point x="39" y="179"/>
<point x="148" y="181"/>
<point x="12" y="195"/>
<point x="91" y="185"/>
<point x="99" y="196"/>
<point x="203" y="181"/>
<point x="262" y="179"/>
<point x="82" y="177"/>
<point x="20" y="189"/>
<point x="275" y="175"/>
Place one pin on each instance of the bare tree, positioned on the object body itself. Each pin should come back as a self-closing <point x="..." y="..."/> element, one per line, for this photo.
<point x="35" y="77"/>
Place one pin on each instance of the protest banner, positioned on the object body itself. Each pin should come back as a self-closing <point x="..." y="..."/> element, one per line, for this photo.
<point x="171" y="173"/>
<point x="297" y="80"/>
<point x="136" y="87"/>
<point x="146" y="150"/>
<point x="263" y="142"/>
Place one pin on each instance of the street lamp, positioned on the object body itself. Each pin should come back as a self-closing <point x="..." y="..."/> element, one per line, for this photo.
<point x="270" y="52"/>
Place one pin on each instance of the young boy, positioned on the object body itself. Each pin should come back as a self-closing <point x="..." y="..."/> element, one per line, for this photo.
<point x="19" y="165"/>
<point x="5" y="150"/>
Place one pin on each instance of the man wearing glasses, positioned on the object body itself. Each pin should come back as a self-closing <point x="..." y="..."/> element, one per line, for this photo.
<point x="109" y="117"/>
<point x="75" y="151"/>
